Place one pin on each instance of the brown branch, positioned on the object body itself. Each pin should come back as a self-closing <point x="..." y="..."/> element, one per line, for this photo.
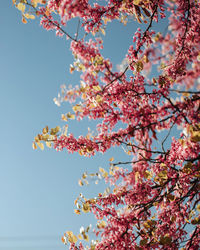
<point x="191" y="239"/>
<point x="55" y="24"/>
<point x="144" y="35"/>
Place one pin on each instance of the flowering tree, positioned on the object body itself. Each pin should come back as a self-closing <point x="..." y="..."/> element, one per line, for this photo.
<point x="155" y="203"/>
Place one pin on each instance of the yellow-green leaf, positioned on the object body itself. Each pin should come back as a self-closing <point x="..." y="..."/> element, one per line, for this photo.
<point x="80" y="183"/>
<point x="163" y="175"/>
<point x="48" y="144"/>
<point x="24" y="20"/>
<point x="21" y="7"/>
<point x="80" y="237"/>
<point x="71" y="237"/>
<point x="97" y="88"/>
<point x="195" y="136"/>
<point x="98" y="99"/>
<point x="139" y="66"/>
<point x="77" y="108"/>
<point x="45" y="130"/>
<point x="45" y="137"/>
<point x="85" y="237"/>
<point x="101" y="224"/>
<point x="63" y="117"/>
<point x="149" y="224"/>
<point x="70" y="116"/>
<point x="55" y="130"/>
<point x="29" y="16"/>
<point x="101" y="170"/>
<point x="34" y="145"/>
<point x="103" y="31"/>
<point x="40" y="145"/>
<point x="77" y="211"/>
<point x="148" y="175"/>
<point x="86" y="207"/>
<point x="195" y="221"/>
<point x="136" y="2"/>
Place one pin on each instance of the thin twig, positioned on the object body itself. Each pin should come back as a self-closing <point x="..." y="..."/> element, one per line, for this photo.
<point x="55" y="24"/>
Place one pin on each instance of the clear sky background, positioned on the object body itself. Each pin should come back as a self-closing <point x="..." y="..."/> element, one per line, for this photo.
<point x="38" y="188"/>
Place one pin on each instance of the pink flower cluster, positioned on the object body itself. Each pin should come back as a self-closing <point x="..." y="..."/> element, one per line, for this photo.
<point x="154" y="204"/>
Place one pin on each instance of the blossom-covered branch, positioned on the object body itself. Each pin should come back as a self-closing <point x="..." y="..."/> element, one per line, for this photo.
<point x="153" y="114"/>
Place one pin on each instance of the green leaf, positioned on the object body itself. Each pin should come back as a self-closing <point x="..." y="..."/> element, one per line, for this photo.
<point x="143" y="242"/>
<point x="165" y="240"/>
<point x="139" y="66"/>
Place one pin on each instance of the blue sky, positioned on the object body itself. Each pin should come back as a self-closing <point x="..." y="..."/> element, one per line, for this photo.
<point x="38" y="189"/>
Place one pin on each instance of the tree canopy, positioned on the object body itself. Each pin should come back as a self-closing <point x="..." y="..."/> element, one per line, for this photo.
<point x="150" y="106"/>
